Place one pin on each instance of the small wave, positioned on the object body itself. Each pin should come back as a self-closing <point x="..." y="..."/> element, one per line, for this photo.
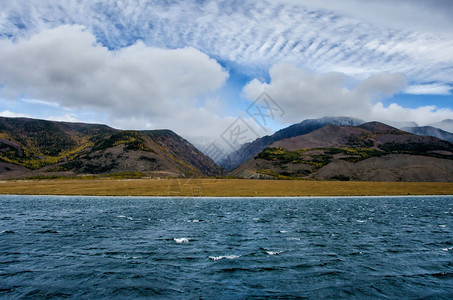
<point x="181" y="240"/>
<point x="195" y="221"/>
<point x="273" y="253"/>
<point x="447" y="249"/>
<point x="120" y="216"/>
<point x="7" y="232"/>
<point x="48" y="231"/>
<point x="293" y="239"/>
<point x="361" y="221"/>
<point x="442" y="226"/>
<point x="223" y="257"/>
<point x="283" y="231"/>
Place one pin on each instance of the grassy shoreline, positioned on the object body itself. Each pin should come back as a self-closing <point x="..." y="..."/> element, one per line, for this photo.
<point x="220" y="188"/>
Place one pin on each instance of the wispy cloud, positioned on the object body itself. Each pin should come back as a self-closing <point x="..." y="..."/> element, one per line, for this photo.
<point x="429" y="89"/>
<point x="256" y="35"/>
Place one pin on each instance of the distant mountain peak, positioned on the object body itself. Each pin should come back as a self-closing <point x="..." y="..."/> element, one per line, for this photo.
<point x="378" y="127"/>
<point x="249" y="150"/>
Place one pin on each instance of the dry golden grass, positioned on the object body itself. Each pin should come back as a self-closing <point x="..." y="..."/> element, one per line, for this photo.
<point x="220" y="187"/>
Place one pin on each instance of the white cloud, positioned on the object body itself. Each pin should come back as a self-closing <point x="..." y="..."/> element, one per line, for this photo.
<point x="10" y="114"/>
<point x="429" y="89"/>
<point x="65" y="65"/>
<point x="423" y="115"/>
<point x="304" y="95"/>
<point x="63" y="118"/>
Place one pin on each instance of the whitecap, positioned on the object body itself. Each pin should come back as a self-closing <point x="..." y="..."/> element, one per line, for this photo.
<point x="273" y="253"/>
<point x="361" y="221"/>
<point x="283" y="231"/>
<point x="447" y="249"/>
<point x="442" y="226"/>
<point x="121" y="216"/>
<point x="181" y="240"/>
<point x="222" y="257"/>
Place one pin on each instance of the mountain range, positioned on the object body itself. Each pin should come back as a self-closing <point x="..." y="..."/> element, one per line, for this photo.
<point x="371" y="151"/>
<point x="338" y="148"/>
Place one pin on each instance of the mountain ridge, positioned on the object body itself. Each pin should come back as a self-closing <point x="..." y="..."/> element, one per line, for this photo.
<point x="37" y="147"/>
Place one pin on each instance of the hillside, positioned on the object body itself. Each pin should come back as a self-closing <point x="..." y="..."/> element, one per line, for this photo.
<point x="371" y="151"/>
<point x="30" y="147"/>
<point x="249" y="150"/>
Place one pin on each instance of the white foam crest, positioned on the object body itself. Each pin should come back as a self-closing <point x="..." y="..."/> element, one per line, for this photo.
<point x="223" y="257"/>
<point x="447" y="249"/>
<point x="283" y="231"/>
<point x="273" y="252"/>
<point x="181" y="240"/>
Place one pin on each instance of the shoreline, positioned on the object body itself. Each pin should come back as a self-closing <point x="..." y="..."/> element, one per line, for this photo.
<point x="209" y="187"/>
<point x="232" y="197"/>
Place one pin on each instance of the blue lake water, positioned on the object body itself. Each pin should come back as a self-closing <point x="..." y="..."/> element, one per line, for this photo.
<point x="126" y="247"/>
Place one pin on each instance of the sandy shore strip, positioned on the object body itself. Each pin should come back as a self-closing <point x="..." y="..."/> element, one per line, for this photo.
<point x="221" y="188"/>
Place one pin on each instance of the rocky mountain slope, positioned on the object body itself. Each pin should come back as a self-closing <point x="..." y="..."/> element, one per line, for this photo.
<point x="37" y="147"/>
<point x="249" y="150"/>
<point x="371" y="151"/>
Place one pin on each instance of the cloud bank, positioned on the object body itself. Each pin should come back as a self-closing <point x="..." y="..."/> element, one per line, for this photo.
<point x="305" y="94"/>
<point x="65" y="65"/>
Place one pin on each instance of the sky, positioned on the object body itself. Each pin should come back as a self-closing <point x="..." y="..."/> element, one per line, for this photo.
<point x="207" y="68"/>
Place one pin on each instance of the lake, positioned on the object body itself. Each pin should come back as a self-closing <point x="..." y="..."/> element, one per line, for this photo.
<point x="137" y="247"/>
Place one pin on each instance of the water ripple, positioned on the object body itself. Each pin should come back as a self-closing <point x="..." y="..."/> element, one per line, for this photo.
<point x="104" y="247"/>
